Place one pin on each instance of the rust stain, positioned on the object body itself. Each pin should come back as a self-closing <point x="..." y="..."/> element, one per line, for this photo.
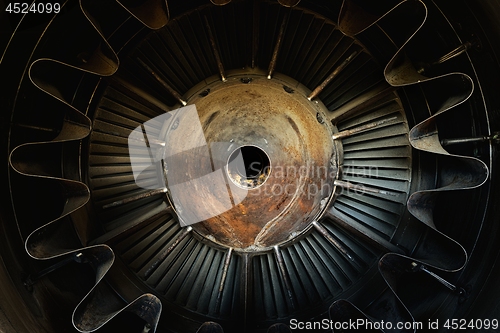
<point x="248" y="114"/>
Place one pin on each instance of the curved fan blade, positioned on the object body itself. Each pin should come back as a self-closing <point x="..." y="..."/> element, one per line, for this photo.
<point x="55" y="78"/>
<point x="210" y="327"/>
<point x="75" y="124"/>
<point x="67" y="196"/>
<point x="353" y="18"/>
<point x="101" y="304"/>
<point x="99" y="307"/>
<point x="220" y="2"/>
<point x="48" y="241"/>
<point x="391" y="267"/>
<point x="289" y="3"/>
<point x="386" y="311"/>
<point x="401" y="24"/>
<point x="452" y="256"/>
<point x="357" y="16"/>
<point x="403" y="21"/>
<point x="279" y="328"/>
<point x="154" y="14"/>
<point x="456" y="172"/>
<point x="44" y="242"/>
<point x="38" y="159"/>
<point x="87" y="48"/>
<point x="42" y="162"/>
<point x="394" y="266"/>
<point x="455" y="89"/>
<point x="343" y="311"/>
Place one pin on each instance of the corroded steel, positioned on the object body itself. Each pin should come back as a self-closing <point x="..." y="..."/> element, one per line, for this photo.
<point x="282" y="124"/>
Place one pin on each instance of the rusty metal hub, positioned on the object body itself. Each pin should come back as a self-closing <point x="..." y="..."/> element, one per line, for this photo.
<point x="290" y="159"/>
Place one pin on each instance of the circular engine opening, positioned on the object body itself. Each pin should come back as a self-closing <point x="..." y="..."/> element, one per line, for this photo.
<point x="248" y="167"/>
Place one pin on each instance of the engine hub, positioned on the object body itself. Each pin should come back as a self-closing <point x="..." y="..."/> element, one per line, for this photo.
<point x="289" y="160"/>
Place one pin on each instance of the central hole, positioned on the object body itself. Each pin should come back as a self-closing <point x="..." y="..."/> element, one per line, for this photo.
<point x="248" y="166"/>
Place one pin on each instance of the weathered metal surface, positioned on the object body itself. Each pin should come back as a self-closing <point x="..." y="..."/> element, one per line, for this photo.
<point x="227" y="261"/>
<point x="134" y="198"/>
<point x="378" y="94"/>
<point x="215" y="50"/>
<point x="321" y="229"/>
<point x="361" y="231"/>
<point x="159" y="258"/>
<point x="99" y="307"/>
<point x="286" y="278"/>
<point x="332" y="76"/>
<point x="362" y="188"/>
<point x="438" y="278"/>
<point x="363" y="128"/>
<point x="277" y="47"/>
<point x="165" y="85"/>
<point x="457" y="141"/>
<point x="284" y="125"/>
